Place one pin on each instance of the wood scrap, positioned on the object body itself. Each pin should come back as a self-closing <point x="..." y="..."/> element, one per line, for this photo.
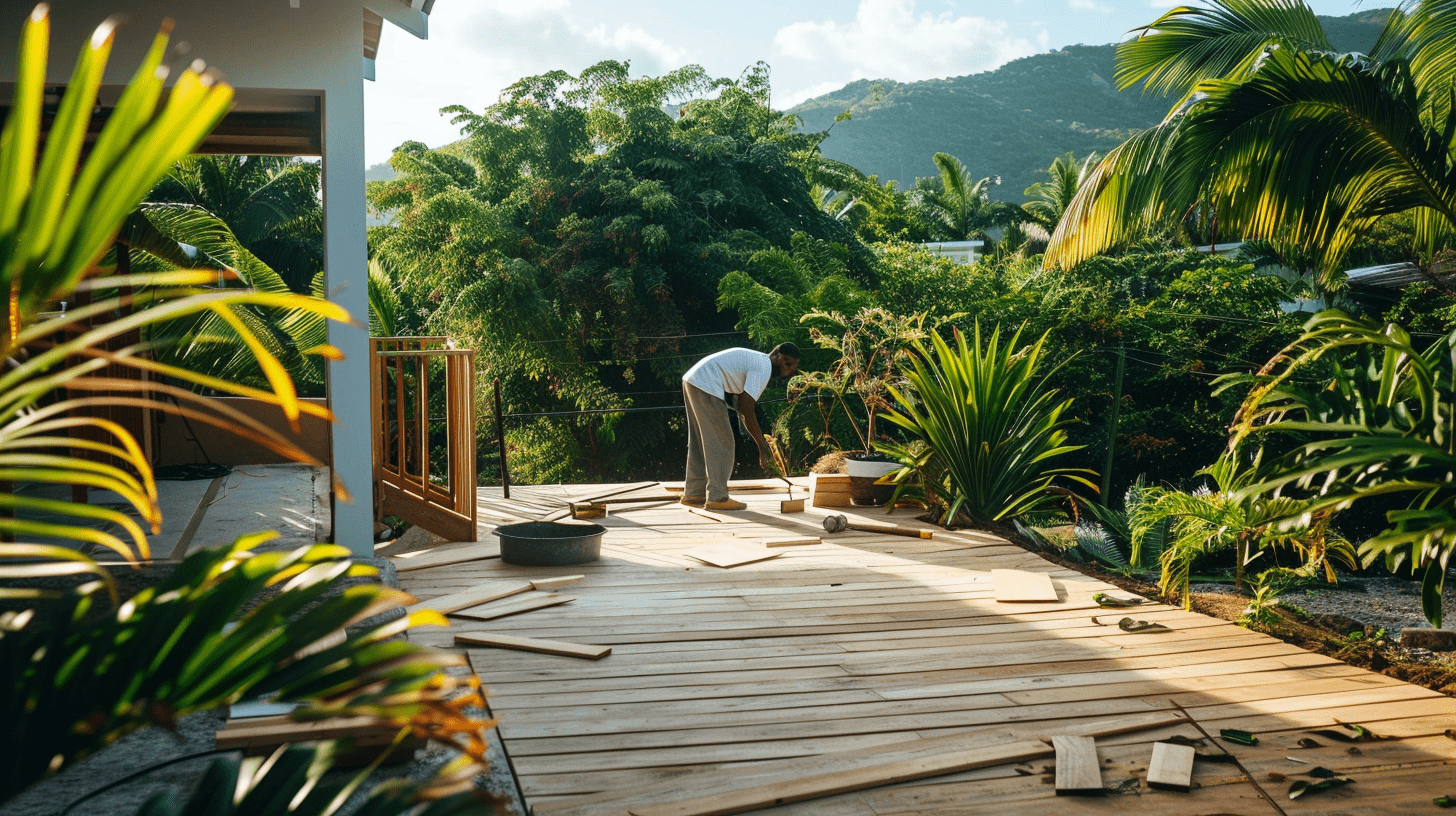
<point x="790" y="541"/>
<point x="425" y="559"/>
<point x="265" y="732"/>
<point x="475" y="596"/>
<point x="595" y="497"/>
<point x="1171" y="767"/>
<point x="559" y="581"/>
<point x="791" y="506"/>
<point x="1018" y="586"/>
<point x="1079" y="773"/>
<point x="513" y="606"/>
<point x="728" y="556"/>
<point x="528" y="644"/>
<point x="829" y="784"/>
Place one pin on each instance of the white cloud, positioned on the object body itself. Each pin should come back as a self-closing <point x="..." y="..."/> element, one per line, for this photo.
<point x="476" y="49"/>
<point x="889" y="38"/>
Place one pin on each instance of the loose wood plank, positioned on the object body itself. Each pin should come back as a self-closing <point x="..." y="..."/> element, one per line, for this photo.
<point x="1171" y="767"/>
<point x="455" y="601"/>
<point x="527" y="644"/>
<point x="1078" y="770"/>
<point x="501" y="609"/>
<point x="276" y="733"/>
<point x="828" y="784"/>
<point x="553" y="583"/>
<point x="425" y="559"/>
<point x="727" y="556"/>
<point x="1017" y="586"/>
<point x="790" y="541"/>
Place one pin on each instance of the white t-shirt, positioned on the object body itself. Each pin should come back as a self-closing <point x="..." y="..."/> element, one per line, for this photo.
<point x="732" y="371"/>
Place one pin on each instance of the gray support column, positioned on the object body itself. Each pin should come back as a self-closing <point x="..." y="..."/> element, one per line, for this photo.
<point x="346" y="272"/>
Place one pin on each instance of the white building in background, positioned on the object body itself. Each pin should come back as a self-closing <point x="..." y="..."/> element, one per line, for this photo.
<point x="962" y="252"/>
<point x="299" y="69"/>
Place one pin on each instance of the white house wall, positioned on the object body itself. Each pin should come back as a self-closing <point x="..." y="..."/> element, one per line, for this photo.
<point x="266" y="44"/>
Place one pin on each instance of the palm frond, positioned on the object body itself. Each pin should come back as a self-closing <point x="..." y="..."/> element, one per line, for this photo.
<point x="1225" y="39"/>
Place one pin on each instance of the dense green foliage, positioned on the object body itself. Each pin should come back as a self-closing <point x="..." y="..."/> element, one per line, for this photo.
<point x="576" y="239"/>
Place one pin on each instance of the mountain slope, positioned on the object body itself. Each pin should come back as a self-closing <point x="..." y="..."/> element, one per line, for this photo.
<point x="1010" y="122"/>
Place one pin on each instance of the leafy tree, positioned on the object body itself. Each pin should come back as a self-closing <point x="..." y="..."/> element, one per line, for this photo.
<point x="1049" y="199"/>
<point x="576" y="237"/>
<point x="959" y="206"/>
<point x="1278" y="137"/>
<point x="270" y="203"/>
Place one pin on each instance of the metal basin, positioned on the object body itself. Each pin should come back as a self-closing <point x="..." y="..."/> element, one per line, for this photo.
<point x="550" y="543"/>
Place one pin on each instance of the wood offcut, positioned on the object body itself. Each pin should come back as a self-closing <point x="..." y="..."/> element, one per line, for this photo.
<point x="1171" y="767"/>
<point x="1078" y="771"/>
<point x="1016" y="586"/>
<point x="528" y="644"/>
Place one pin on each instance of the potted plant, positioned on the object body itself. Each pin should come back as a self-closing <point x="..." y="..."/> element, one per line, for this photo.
<point x="872" y="343"/>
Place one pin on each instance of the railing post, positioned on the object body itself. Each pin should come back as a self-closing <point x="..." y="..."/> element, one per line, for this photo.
<point x="500" y="439"/>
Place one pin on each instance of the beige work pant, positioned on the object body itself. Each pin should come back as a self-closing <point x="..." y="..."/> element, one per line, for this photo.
<point x="711" y="446"/>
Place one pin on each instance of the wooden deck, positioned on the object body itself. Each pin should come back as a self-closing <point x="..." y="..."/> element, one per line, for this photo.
<point x="867" y="651"/>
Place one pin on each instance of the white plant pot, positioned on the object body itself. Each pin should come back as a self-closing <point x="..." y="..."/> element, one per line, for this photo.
<point x="856" y="467"/>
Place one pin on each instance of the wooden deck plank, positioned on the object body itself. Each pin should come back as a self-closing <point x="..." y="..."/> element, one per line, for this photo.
<point x="864" y="641"/>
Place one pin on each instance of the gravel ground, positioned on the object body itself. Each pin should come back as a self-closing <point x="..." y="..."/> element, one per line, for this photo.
<point x="1392" y="603"/>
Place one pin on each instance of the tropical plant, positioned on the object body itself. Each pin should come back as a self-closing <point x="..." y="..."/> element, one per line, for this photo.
<point x="871" y="345"/>
<point x="82" y="674"/>
<point x="990" y="423"/>
<point x="1370" y="415"/>
<point x="177" y="236"/>
<point x="1211" y="519"/>
<point x="1109" y="539"/>
<point x="270" y="203"/>
<point x="1049" y="199"/>
<point x="960" y="205"/>
<point x="1276" y="136"/>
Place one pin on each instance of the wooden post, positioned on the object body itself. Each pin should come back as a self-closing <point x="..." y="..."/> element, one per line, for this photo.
<point x="500" y="439"/>
<point x="1112" y="425"/>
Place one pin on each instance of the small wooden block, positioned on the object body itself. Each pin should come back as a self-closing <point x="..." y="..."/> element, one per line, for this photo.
<point x="1016" y="586"/>
<point x="790" y="541"/>
<point x="500" y="609"/>
<point x="1078" y="772"/>
<point x="424" y="559"/>
<point x="492" y="591"/>
<point x="553" y="583"/>
<point x="791" y="506"/>
<point x="1171" y="767"/>
<point x="526" y="644"/>
<point x="726" y="556"/>
<point x="581" y="510"/>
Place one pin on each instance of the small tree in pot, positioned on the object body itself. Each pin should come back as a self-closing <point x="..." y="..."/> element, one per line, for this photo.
<point x="872" y="345"/>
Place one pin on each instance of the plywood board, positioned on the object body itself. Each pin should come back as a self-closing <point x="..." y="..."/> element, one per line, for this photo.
<point x="790" y="541"/>
<point x="527" y="644"/>
<point x="1079" y="773"/>
<point x="455" y="601"/>
<point x="514" y="606"/>
<point x="1171" y="767"/>
<point x="555" y="583"/>
<point x="828" y="784"/>
<point x="425" y="559"/>
<point x="728" y="555"/>
<point x="1017" y="586"/>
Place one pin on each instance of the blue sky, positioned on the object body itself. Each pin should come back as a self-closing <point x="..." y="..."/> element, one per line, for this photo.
<point x="478" y="47"/>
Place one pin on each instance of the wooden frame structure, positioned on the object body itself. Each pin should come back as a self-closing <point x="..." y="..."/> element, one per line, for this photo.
<point x="404" y="376"/>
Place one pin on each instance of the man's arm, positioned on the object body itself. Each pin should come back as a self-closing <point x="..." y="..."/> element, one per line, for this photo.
<point x="749" y="416"/>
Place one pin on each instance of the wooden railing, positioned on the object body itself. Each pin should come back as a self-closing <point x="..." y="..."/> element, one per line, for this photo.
<point x="423" y="406"/>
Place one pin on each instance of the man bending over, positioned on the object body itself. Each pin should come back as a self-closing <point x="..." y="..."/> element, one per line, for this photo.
<point x="741" y="372"/>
